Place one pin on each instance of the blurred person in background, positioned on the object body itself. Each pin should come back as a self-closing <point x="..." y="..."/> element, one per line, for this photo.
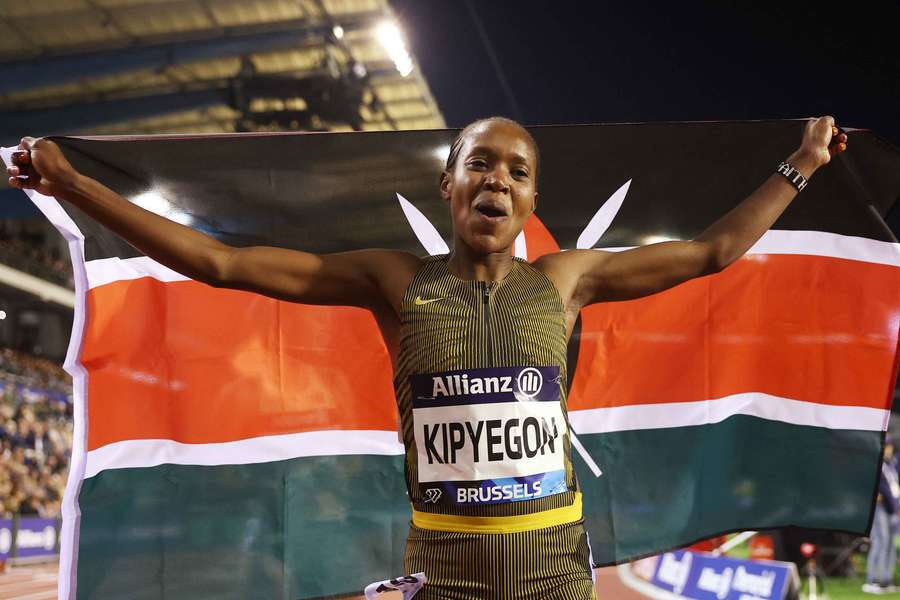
<point x="882" y="552"/>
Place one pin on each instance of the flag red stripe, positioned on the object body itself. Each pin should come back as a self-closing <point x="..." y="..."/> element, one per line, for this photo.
<point x="803" y="327"/>
<point x="195" y="364"/>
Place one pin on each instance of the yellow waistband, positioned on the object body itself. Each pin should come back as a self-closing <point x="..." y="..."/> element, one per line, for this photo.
<point x="511" y="524"/>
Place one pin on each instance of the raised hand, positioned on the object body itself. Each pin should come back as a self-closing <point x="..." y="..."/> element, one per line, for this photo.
<point x="822" y="140"/>
<point x="40" y="165"/>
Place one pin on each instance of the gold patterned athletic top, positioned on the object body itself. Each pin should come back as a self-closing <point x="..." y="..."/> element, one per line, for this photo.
<point x="481" y="389"/>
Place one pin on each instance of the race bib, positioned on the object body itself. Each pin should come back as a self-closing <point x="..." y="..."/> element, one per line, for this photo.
<point x="486" y="436"/>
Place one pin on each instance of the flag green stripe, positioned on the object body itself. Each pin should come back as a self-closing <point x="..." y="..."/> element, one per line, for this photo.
<point x="307" y="527"/>
<point x="667" y="487"/>
<point x="299" y="528"/>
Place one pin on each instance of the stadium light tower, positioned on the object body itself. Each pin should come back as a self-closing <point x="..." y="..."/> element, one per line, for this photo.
<point x="390" y="36"/>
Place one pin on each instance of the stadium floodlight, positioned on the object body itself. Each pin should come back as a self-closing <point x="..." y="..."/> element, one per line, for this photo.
<point x="338" y="32"/>
<point x="154" y="201"/>
<point x="656" y="239"/>
<point x="392" y="39"/>
<point x="441" y="153"/>
<point x="2" y="314"/>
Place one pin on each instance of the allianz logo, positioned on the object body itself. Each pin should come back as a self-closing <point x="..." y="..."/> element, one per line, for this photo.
<point x="528" y="383"/>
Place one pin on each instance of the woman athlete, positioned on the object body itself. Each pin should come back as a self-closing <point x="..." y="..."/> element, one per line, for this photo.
<point x="477" y="339"/>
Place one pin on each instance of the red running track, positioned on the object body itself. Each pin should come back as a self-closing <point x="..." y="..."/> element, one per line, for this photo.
<point x="34" y="582"/>
<point x="38" y="582"/>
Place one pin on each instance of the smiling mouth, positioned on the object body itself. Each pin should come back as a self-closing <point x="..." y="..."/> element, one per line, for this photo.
<point x="492" y="212"/>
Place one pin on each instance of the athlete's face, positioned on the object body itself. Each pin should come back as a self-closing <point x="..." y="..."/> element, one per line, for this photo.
<point x="491" y="189"/>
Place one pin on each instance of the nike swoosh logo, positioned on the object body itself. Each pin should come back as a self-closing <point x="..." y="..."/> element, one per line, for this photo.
<point x="420" y="302"/>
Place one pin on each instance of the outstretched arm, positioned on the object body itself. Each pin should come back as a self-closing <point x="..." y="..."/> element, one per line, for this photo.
<point x="363" y="278"/>
<point x="588" y="276"/>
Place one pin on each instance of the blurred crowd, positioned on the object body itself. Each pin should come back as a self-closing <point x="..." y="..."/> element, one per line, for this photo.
<point x="35" y="434"/>
<point x="27" y="250"/>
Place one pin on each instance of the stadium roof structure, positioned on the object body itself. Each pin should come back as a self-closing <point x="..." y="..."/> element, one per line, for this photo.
<point x="206" y="66"/>
<point x="135" y="67"/>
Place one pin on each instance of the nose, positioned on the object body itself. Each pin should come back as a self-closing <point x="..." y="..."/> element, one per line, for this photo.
<point x="495" y="182"/>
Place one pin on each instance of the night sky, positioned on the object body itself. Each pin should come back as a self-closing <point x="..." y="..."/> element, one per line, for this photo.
<point x="601" y="62"/>
<point x="564" y="62"/>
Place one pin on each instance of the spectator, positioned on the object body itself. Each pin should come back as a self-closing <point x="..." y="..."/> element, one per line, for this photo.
<point x="33" y="252"/>
<point x="882" y="551"/>
<point x="35" y="435"/>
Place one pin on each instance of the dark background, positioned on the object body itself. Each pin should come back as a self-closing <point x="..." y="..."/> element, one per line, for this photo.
<point x="557" y="62"/>
<point x="600" y="62"/>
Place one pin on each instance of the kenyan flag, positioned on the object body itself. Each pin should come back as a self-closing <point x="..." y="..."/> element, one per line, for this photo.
<point x="231" y="445"/>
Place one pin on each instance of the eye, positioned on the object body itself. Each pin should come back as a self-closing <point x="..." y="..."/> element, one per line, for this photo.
<point x="477" y="163"/>
<point x="520" y="172"/>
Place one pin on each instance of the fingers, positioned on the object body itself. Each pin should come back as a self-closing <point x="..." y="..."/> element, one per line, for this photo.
<point x="21" y="168"/>
<point x="24" y="182"/>
<point x="826" y="121"/>
<point x="838" y="134"/>
<point x="21" y="176"/>
<point x="824" y="132"/>
<point x="16" y="182"/>
<point x="838" y="144"/>
<point x="22" y="159"/>
<point x="838" y="141"/>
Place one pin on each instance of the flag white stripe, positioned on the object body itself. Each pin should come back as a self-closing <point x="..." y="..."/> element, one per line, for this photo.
<point x="821" y="243"/>
<point x="151" y="453"/>
<point x="107" y="270"/>
<point x="269" y="448"/>
<point x="817" y="243"/>
<point x="811" y="243"/>
<point x="71" y="511"/>
<point x="707" y="412"/>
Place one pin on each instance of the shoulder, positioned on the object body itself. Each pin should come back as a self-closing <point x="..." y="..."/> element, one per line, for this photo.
<point x="567" y="269"/>
<point x="381" y="257"/>
<point x="390" y="266"/>
<point x="392" y="271"/>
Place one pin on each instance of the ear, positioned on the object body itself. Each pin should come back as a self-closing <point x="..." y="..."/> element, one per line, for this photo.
<point x="534" y="202"/>
<point x="445" y="186"/>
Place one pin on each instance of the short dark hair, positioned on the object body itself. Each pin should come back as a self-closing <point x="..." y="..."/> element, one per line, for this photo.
<point x="456" y="146"/>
